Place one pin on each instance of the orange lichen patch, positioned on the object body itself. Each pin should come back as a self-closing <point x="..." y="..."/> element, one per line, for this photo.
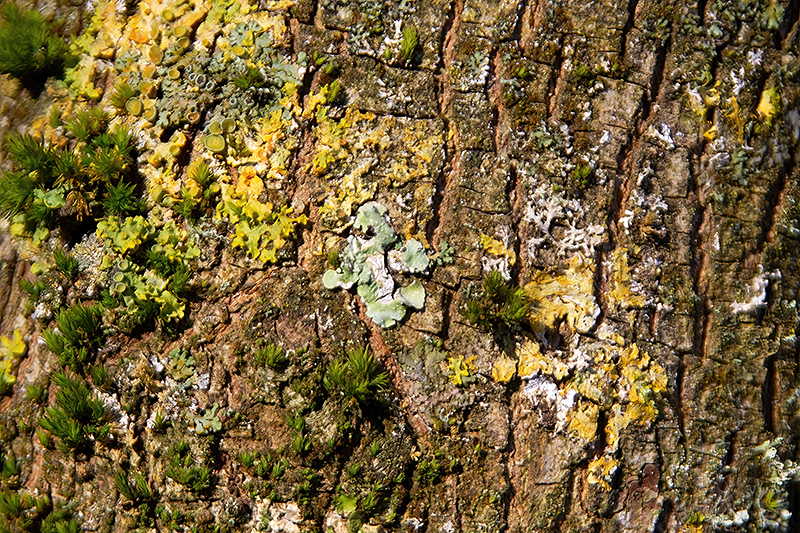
<point x="563" y="295"/>
<point x="601" y="470"/>
<point x="620" y="296"/>
<point x="139" y="36"/>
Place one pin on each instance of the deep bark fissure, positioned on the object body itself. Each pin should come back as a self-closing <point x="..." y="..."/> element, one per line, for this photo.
<point x="701" y="11"/>
<point x="732" y="440"/>
<point x="699" y="286"/>
<point x="680" y="377"/>
<point x="492" y="91"/>
<point x="555" y="76"/>
<point x="662" y="521"/>
<point x="516" y="33"/>
<point x="775" y="193"/>
<point x="599" y="288"/>
<point x="8" y="268"/>
<point x="514" y="195"/>
<point x="768" y="391"/>
<point x="566" y="507"/>
<point x="447" y="300"/>
<point x="314" y="11"/>
<point x="629" y="25"/>
<point x="443" y="94"/>
<point x="656" y="80"/>
<point x="788" y="26"/>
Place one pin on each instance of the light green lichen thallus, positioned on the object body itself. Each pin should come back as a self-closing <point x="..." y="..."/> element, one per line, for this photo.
<point x="363" y="263"/>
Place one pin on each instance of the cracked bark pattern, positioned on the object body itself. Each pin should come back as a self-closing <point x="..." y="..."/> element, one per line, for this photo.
<point x="611" y="81"/>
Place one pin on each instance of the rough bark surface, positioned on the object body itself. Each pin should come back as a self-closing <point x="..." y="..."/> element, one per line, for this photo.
<point x="631" y="166"/>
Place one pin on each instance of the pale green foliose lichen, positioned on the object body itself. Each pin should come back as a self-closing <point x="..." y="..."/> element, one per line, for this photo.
<point x="363" y="263"/>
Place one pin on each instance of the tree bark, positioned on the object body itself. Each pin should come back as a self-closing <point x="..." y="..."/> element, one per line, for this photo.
<point x="630" y="169"/>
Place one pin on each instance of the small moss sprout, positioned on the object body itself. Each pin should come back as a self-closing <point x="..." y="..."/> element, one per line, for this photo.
<point x="409" y="43"/>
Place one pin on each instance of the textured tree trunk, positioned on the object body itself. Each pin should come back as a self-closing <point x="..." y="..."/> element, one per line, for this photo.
<point x="631" y="166"/>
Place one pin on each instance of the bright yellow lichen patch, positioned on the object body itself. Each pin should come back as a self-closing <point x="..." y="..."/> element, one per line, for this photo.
<point x="104" y="32"/>
<point x="352" y="191"/>
<point x="12" y="349"/>
<point x="459" y="368"/>
<point x="623" y="382"/>
<point x="620" y="296"/>
<point x="735" y="116"/>
<point x="532" y="360"/>
<point x="601" y="471"/>
<point x="493" y="246"/>
<point x="605" y="374"/>
<point x="768" y="105"/>
<point x="259" y="229"/>
<point x="583" y="421"/>
<point x="503" y="369"/>
<point x="361" y="152"/>
<point x="337" y="140"/>
<point x="567" y="294"/>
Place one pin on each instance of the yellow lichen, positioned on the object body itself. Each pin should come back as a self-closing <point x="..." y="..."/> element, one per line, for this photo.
<point x="583" y="421"/>
<point x="459" y="368"/>
<point x="601" y="471"/>
<point x="620" y="296"/>
<point x="258" y="228"/>
<point x="565" y="295"/>
<point x="503" y="369"/>
<point x="531" y="361"/>
<point x="616" y="422"/>
<point x="695" y="523"/>
<point x="12" y="349"/>
<point x="768" y="105"/>
<point x="352" y="191"/>
<point x="495" y="247"/>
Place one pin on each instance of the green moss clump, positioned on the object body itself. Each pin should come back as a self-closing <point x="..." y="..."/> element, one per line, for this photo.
<point x="357" y="379"/>
<point x="29" y="51"/>
<point x="499" y="303"/>
<point x="80" y="332"/>
<point x="76" y="418"/>
<point x="50" y="186"/>
<point x="183" y="469"/>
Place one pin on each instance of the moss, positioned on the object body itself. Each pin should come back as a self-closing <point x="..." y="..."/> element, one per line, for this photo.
<point x="498" y="304"/>
<point x="29" y="50"/>
<point x="356" y="378"/>
<point x="77" y="418"/>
